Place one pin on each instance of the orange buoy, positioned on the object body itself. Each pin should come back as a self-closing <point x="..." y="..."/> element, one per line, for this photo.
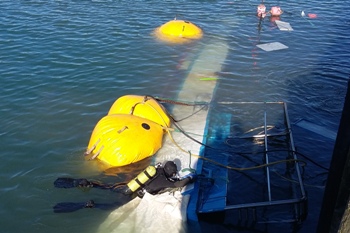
<point x="312" y="16"/>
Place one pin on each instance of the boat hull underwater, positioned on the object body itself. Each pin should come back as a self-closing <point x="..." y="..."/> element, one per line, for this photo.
<point x="172" y="212"/>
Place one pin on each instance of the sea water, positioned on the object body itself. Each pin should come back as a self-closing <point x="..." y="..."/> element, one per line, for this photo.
<point x="63" y="64"/>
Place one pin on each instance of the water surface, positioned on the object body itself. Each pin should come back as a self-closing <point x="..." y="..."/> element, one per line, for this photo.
<point x="63" y="63"/>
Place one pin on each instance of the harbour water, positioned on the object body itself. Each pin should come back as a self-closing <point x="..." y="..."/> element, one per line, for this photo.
<point x="63" y="64"/>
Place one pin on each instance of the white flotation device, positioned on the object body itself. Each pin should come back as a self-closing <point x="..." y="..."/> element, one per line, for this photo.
<point x="132" y="131"/>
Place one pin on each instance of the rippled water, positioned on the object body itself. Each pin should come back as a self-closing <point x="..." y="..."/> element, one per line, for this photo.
<point x="63" y="63"/>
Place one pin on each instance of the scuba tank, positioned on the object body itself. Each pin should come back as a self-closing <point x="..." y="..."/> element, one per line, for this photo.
<point x="140" y="180"/>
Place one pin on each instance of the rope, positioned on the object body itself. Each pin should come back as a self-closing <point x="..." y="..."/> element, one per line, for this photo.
<point x="297" y="182"/>
<point x="169" y="101"/>
<point x="235" y="168"/>
<point x="238" y="153"/>
<point x="144" y="102"/>
<point x="168" y="129"/>
<point x="203" y="107"/>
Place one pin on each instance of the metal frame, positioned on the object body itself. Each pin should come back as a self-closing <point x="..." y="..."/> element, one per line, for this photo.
<point x="249" y="211"/>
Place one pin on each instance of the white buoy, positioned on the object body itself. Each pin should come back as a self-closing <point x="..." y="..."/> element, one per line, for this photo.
<point x="302" y="13"/>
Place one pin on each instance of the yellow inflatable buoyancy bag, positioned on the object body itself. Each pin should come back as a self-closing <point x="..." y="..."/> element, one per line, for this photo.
<point x="181" y="28"/>
<point x="178" y="31"/>
<point x="142" y="106"/>
<point x="122" y="139"/>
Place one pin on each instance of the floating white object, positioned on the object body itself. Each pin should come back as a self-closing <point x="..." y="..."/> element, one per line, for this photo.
<point x="272" y="46"/>
<point x="302" y="13"/>
<point x="283" y="26"/>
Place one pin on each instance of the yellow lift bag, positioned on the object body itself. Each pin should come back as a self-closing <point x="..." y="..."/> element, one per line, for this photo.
<point x="142" y="106"/>
<point x="122" y="139"/>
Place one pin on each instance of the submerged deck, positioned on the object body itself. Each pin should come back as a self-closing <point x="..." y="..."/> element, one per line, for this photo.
<point x="259" y="176"/>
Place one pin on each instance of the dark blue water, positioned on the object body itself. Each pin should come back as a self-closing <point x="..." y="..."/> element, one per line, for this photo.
<point x="63" y="63"/>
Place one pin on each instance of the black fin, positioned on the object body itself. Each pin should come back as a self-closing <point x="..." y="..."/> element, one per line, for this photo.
<point x="67" y="207"/>
<point x="72" y="183"/>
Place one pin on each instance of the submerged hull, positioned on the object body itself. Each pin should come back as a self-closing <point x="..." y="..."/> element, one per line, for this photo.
<point x="180" y="208"/>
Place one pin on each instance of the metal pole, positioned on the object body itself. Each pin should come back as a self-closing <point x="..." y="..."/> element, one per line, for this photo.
<point x="302" y="190"/>
<point x="267" y="159"/>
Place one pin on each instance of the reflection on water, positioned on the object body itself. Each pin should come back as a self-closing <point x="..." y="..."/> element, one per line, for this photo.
<point x="63" y="63"/>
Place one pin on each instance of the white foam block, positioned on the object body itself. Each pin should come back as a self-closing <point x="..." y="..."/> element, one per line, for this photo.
<point x="283" y="26"/>
<point x="272" y="46"/>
